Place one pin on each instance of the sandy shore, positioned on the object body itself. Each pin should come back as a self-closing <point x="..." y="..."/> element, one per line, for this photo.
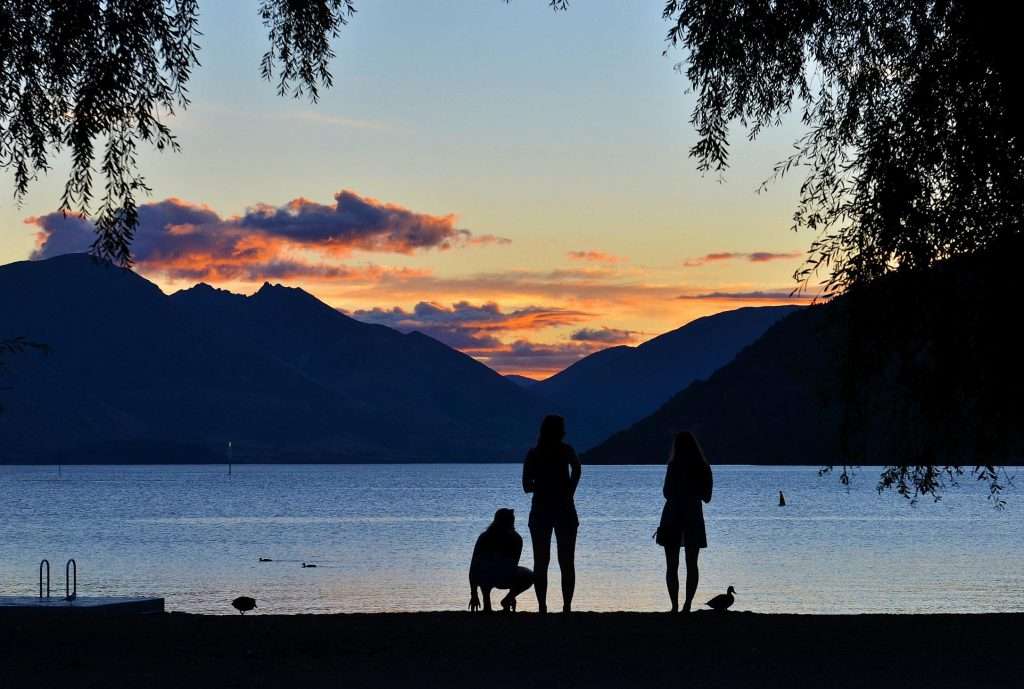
<point x="524" y="650"/>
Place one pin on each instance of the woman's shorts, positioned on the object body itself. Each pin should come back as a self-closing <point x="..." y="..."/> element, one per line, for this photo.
<point x="562" y="521"/>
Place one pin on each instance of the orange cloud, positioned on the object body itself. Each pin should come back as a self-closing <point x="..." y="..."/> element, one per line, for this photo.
<point x="470" y="327"/>
<point x="189" y="241"/>
<point x="596" y="257"/>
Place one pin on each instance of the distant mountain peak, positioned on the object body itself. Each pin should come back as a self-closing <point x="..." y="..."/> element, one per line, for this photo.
<point x="86" y="261"/>
<point x="202" y="288"/>
<point x="203" y="293"/>
<point x="83" y="273"/>
<point x="279" y="291"/>
<point x="615" y="387"/>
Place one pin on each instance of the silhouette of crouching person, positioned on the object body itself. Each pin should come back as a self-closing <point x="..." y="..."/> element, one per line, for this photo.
<point x="495" y="563"/>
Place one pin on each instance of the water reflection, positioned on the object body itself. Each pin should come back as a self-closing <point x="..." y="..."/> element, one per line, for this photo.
<point x="399" y="538"/>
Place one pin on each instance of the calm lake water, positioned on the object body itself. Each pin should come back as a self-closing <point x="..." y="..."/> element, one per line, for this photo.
<point x="399" y="537"/>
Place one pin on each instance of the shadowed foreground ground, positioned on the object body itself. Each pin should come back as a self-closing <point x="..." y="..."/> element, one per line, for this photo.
<point x="525" y="650"/>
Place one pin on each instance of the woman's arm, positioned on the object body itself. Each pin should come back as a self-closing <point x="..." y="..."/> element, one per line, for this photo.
<point x="709" y="484"/>
<point x="575" y="471"/>
<point x="474" y="576"/>
<point x="529" y="479"/>
<point x="667" y="489"/>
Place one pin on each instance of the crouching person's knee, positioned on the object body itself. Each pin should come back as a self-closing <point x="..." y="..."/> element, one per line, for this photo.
<point x="524" y="578"/>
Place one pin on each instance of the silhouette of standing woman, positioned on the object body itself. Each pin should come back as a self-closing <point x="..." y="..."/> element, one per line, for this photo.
<point x="688" y="481"/>
<point x="551" y="472"/>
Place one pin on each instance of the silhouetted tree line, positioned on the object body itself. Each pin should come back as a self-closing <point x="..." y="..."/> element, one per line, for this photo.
<point x="930" y="372"/>
<point x="912" y="150"/>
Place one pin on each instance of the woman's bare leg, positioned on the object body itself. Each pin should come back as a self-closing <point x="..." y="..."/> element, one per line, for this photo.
<point x="541" y="538"/>
<point x="672" y="574"/>
<point x="692" y="575"/>
<point x="567" y="564"/>
<point x="522" y="580"/>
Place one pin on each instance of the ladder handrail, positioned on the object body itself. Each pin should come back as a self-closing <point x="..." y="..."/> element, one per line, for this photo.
<point x="70" y="568"/>
<point x="47" y="563"/>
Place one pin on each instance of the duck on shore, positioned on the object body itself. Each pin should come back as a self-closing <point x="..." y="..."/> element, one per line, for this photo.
<point x="243" y="604"/>
<point x="722" y="601"/>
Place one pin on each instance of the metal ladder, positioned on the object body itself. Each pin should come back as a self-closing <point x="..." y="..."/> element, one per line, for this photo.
<point x="70" y="591"/>
<point x="70" y="579"/>
<point x="47" y="563"/>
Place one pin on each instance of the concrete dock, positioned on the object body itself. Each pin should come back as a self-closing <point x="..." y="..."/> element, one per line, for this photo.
<point x="82" y="606"/>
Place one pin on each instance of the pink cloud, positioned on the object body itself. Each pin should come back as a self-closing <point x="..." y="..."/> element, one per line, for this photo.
<point x="753" y="257"/>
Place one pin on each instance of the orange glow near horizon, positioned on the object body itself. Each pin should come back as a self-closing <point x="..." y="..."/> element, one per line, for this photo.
<point x="532" y="315"/>
<point x="644" y="310"/>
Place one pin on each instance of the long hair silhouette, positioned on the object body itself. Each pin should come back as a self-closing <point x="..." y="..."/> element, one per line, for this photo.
<point x="687" y="451"/>
<point x="552" y="431"/>
<point x="687" y="460"/>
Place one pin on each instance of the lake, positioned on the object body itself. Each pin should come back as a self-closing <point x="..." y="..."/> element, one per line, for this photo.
<point x="399" y="538"/>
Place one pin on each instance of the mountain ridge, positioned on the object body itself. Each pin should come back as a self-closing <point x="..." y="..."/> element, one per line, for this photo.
<point x="915" y="369"/>
<point x="278" y="373"/>
<point x="615" y="387"/>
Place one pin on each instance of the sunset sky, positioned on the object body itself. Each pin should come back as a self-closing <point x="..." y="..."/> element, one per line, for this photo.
<point x="512" y="181"/>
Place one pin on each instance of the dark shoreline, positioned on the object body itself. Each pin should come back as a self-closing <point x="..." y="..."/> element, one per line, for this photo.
<point x="458" y="649"/>
<point x="366" y="463"/>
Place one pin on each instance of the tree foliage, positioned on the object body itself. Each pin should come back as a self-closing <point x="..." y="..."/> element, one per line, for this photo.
<point x="912" y="150"/>
<point x="912" y="156"/>
<point x="300" y="36"/>
<point x="97" y="79"/>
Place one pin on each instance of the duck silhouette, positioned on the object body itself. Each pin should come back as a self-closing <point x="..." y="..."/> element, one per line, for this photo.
<point x="243" y="604"/>
<point x="265" y="559"/>
<point x="722" y="601"/>
<point x="308" y="564"/>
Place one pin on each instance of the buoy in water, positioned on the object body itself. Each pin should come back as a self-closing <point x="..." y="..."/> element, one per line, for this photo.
<point x="782" y="499"/>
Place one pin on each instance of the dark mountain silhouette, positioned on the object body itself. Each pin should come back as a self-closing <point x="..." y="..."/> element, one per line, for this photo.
<point x="615" y="387"/>
<point x="774" y="404"/>
<point x="917" y="369"/>
<point x="136" y="375"/>
<point x="521" y="381"/>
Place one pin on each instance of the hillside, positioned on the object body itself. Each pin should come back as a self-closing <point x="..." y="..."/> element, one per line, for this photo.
<point x="920" y="368"/>
<point x="615" y="387"/>
<point x="136" y="375"/>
